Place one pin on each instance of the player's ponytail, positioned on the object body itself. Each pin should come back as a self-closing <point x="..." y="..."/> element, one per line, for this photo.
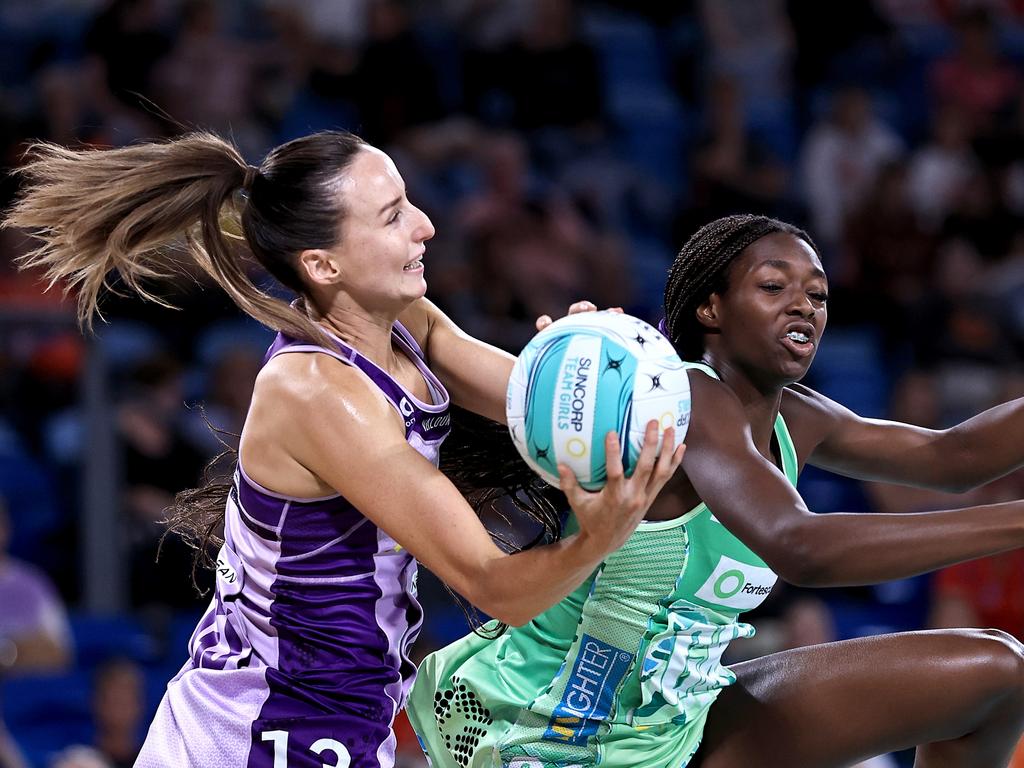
<point x="104" y="214"/>
<point x="114" y="219"/>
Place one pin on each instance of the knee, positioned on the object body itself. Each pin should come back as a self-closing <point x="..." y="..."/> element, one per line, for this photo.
<point x="1004" y="647"/>
<point x="1003" y="654"/>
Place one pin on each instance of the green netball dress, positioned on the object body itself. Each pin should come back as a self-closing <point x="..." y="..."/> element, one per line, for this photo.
<point x="620" y="673"/>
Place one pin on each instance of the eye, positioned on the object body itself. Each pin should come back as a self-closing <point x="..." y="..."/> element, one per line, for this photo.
<point x="819" y="296"/>
<point x="771" y="287"/>
<point x="395" y="216"/>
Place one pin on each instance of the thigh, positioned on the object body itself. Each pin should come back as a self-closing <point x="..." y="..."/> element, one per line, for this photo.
<point x="831" y="705"/>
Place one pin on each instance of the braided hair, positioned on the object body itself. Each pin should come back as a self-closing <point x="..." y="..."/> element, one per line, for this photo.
<point x="701" y="268"/>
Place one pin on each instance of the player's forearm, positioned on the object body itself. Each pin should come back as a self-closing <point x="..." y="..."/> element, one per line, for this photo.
<point x="983" y="447"/>
<point x="516" y="588"/>
<point x="855" y="549"/>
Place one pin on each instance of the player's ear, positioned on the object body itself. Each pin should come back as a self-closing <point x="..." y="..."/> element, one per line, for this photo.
<point x="707" y="313"/>
<point x="320" y="266"/>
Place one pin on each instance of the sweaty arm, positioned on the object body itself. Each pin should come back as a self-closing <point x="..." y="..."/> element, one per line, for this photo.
<point x="339" y="428"/>
<point x="752" y="498"/>
<point x="957" y="459"/>
<point x="474" y="372"/>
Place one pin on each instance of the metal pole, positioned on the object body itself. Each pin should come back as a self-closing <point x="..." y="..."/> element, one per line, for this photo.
<point x="103" y="566"/>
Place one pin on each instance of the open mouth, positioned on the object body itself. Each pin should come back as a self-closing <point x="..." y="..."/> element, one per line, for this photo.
<point x="800" y="343"/>
<point x="414" y="266"/>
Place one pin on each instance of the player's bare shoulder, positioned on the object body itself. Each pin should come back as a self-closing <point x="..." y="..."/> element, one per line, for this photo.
<point x="309" y="391"/>
<point x="306" y="407"/>
<point x="811" y="417"/>
<point x="803" y="403"/>
<point x="713" y="401"/>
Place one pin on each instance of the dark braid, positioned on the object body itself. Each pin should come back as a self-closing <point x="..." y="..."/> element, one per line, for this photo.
<point x="519" y="509"/>
<point x="701" y="268"/>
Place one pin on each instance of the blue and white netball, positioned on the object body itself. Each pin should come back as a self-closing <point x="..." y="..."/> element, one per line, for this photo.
<point x="584" y="376"/>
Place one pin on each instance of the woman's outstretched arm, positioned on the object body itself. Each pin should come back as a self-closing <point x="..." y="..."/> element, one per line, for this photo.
<point x="957" y="459"/>
<point x="752" y="498"/>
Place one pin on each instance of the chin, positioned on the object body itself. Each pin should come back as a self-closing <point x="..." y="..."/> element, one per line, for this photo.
<point x="795" y="371"/>
<point x="415" y="292"/>
<point x="785" y="370"/>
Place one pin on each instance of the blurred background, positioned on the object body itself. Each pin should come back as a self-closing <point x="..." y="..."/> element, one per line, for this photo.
<point x="564" y="150"/>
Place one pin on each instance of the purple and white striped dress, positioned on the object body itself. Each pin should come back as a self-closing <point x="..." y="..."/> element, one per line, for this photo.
<point x="302" y="657"/>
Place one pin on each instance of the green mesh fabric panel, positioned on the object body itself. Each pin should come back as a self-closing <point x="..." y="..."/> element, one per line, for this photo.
<point x="468" y="694"/>
<point x="564" y="725"/>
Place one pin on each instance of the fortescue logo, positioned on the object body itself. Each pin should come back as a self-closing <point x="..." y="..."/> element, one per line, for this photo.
<point x="737" y="585"/>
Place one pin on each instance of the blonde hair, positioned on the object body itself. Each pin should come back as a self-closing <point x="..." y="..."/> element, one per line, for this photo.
<point x="97" y="213"/>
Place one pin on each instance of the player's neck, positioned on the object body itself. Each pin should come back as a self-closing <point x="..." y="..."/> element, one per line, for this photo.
<point x="761" y="401"/>
<point x="367" y="333"/>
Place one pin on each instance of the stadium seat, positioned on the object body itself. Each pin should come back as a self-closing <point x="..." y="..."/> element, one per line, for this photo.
<point x="99" y="638"/>
<point x="45" y="713"/>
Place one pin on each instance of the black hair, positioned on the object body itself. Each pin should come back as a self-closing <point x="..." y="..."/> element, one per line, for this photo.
<point x="519" y="509"/>
<point x="701" y="268"/>
<point x="294" y="203"/>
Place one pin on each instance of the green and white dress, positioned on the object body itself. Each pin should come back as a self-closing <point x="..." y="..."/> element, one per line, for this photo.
<point x="621" y="673"/>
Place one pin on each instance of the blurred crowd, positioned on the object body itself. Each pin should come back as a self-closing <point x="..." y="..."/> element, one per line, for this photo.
<point x="563" y="150"/>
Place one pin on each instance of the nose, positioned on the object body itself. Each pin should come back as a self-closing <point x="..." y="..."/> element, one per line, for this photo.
<point x="802" y="306"/>
<point x="424" y="228"/>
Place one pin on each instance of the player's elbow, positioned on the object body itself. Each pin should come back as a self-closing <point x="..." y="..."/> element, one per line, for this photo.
<point x="957" y="462"/>
<point x="504" y="609"/>
<point x="493" y="597"/>
<point x="797" y="556"/>
<point x="512" y="616"/>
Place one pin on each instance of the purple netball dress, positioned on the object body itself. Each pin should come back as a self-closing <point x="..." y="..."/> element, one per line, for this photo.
<point x="302" y="657"/>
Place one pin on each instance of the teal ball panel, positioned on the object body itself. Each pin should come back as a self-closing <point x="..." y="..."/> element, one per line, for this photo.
<point x="585" y="376"/>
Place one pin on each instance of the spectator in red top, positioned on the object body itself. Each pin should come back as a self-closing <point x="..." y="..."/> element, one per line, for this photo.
<point x="982" y="593"/>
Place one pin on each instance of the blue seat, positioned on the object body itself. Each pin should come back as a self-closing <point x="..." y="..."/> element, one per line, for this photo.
<point x="309" y="112"/>
<point x="99" y="638"/>
<point x="28" y="488"/>
<point x="45" y="713"/>
<point x="849" y="368"/>
<point x="179" y="632"/>
<point x="650" y="260"/>
<point x="895" y="606"/>
<point x="229" y="334"/>
<point x="827" y="492"/>
<point x="629" y="47"/>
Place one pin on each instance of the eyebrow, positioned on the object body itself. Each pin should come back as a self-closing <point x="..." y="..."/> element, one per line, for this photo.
<point x="786" y="266"/>
<point x="392" y="204"/>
